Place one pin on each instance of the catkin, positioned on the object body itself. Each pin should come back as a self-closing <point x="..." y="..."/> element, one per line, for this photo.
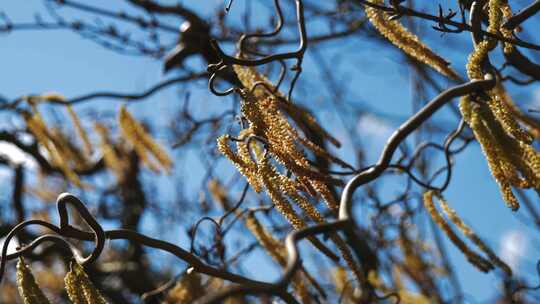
<point x="44" y="136"/>
<point x="475" y="259"/>
<point x="506" y="145"/>
<point x="496" y="162"/>
<point x="408" y="42"/>
<point x="276" y="250"/>
<point x="28" y="288"/>
<point x="110" y="156"/>
<point x="80" y="130"/>
<point x="503" y="113"/>
<point x="143" y="142"/>
<point x="265" y="109"/>
<point x="188" y="289"/>
<point x="80" y="289"/>
<point x="469" y="233"/>
<point x="248" y="171"/>
<point x="270" y="179"/>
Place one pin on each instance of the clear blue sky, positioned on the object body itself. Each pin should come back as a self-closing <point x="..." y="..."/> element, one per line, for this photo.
<point x="44" y="61"/>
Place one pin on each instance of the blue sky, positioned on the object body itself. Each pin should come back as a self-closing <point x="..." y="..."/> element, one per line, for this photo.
<point x="60" y="61"/>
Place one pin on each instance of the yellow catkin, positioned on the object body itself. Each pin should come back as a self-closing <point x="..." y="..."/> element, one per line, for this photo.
<point x="110" y="156"/>
<point x="276" y="250"/>
<point x="532" y="158"/>
<point x="495" y="162"/>
<point x="248" y="171"/>
<point x="507" y="13"/>
<point x="497" y="129"/>
<point x="270" y="179"/>
<point x="408" y="42"/>
<point x="80" y="130"/>
<point x="264" y="109"/>
<point x="142" y="141"/>
<point x="321" y="152"/>
<point x="67" y="150"/>
<point x="249" y="77"/>
<point x="300" y="116"/>
<point x="474" y="68"/>
<point x="518" y="153"/>
<point x="188" y="289"/>
<point x="476" y="260"/>
<point x="80" y="289"/>
<point x="469" y="233"/>
<point x="268" y="176"/>
<point x="531" y="123"/>
<point x="28" y="289"/>
<point x="287" y="186"/>
<point x="43" y="135"/>
<point x="503" y="113"/>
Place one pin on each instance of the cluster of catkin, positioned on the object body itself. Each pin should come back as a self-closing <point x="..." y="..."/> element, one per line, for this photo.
<point x="271" y="245"/>
<point x="408" y="42"/>
<point x="80" y="289"/>
<point x="271" y="142"/>
<point x="277" y="251"/>
<point x="69" y="156"/>
<point x="192" y="286"/>
<point x="63" y="153"/>
<point x="142" y="142"/>
<point x="495" y="121"/>
<point x="482" y="263"/>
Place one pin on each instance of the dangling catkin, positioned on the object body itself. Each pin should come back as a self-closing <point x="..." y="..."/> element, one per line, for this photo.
<point x="476" y="260"/>
<point x="408" y="42"/>
<point x="506" y="145"/>
<point x="80" y="130"/>
<point x="142" y="141"/>
<point x="469" y="233"/>
<point x="110" y="156"/>
<point x="44" y="136"/>
<point x="28" y="288"/>
<point x="80" y="289"/>
<point x="276" y="250"/>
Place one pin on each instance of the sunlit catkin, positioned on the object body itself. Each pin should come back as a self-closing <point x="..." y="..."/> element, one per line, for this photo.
<point x="496" y="127"/>
<point x="277" y="251"/>
<point x="247" y="169"/>
<point x="80" y="130"/>
<point x="44" y="136"/>
<point x="80" y="289"/>
<point x="270" y="179"/>
<point x="503" y="113"/>
<point x="110" y="156"/>
<point x="476" y="260"/>
<point x="507" y="13"/>
<point x="28" y="288"/>
<point x="408" y="42"/>
<point x="142" y="141"/>
<point x="494" y="159"/>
